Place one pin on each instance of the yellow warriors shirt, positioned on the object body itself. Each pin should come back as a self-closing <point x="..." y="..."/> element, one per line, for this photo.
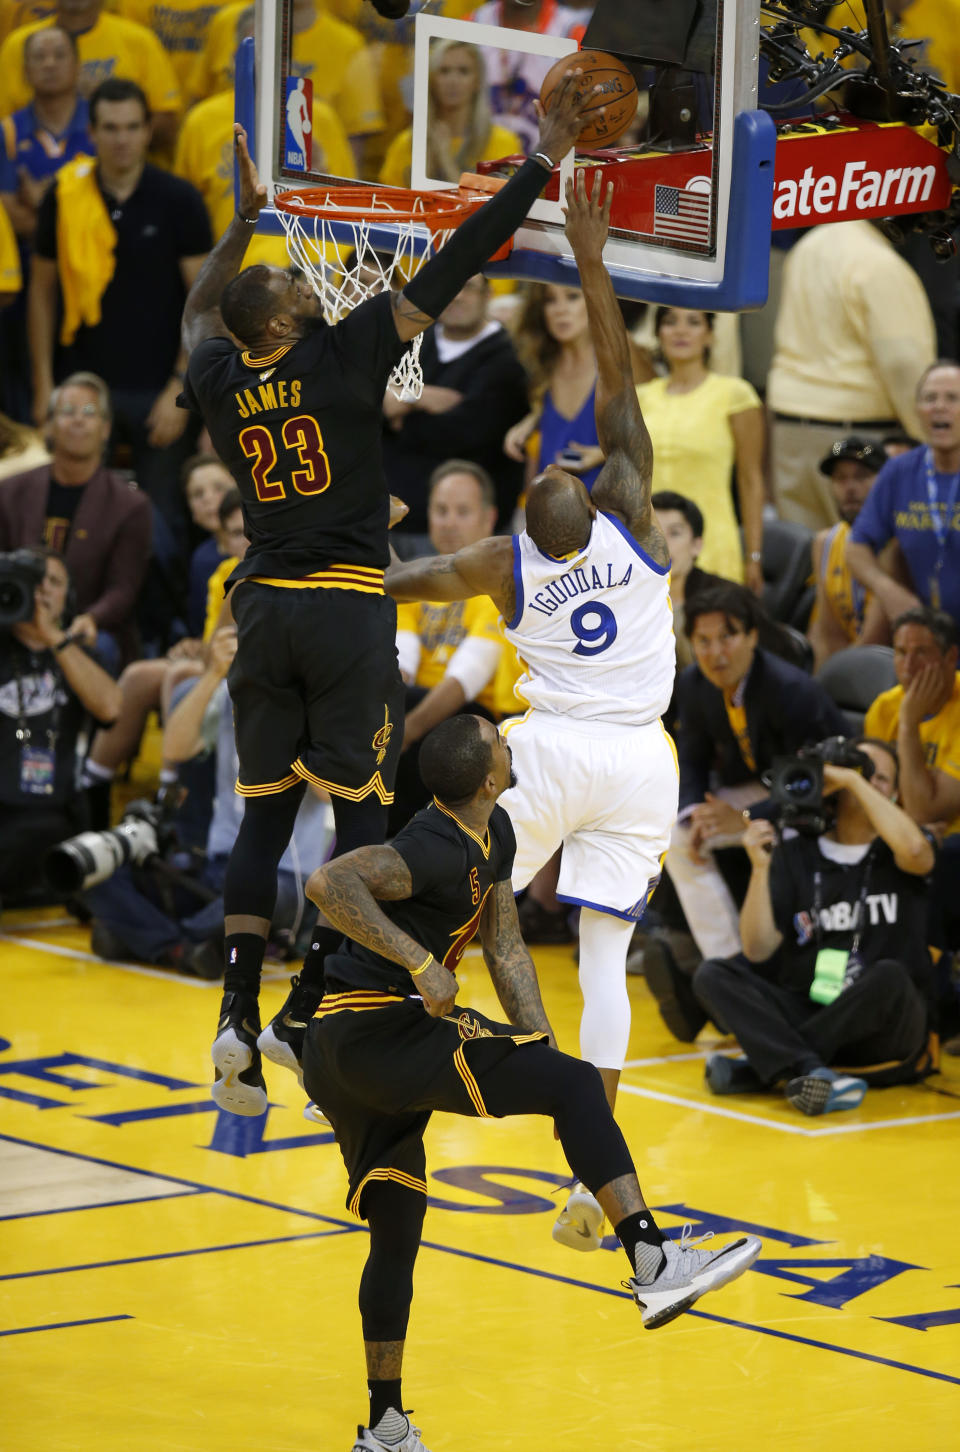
<point x="694" y="455"/>
<point x="441" y="628"/>
<point x="11" y="279"/>
<point x="180" y="26"/>
<point x="848" y="599"/>
<point x="331" y="54"/>
<point x="939" y="734"/>
<point x="112" y="47"/>
<point x="936" y="23"/>
<point x="204" y="158"/>
<point x="395" y="171"/>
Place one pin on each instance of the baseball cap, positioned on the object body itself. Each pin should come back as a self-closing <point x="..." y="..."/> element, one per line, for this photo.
<point x="853" y="447"/>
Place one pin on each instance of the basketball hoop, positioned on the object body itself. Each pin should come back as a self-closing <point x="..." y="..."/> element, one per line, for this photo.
<point x="356" y="241"/>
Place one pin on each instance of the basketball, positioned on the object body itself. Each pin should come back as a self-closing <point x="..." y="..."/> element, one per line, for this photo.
<point x="616" y="99"/>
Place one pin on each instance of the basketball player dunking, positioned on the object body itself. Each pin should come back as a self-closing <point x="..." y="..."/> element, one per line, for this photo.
<point x="584" y="596"/>
<point x="295" y="414"/>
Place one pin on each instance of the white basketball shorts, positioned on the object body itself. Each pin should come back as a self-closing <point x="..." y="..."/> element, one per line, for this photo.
<point x="607" y="793"/>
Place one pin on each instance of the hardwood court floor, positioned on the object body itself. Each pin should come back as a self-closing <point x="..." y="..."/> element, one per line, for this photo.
<point x="171" y="1278"/>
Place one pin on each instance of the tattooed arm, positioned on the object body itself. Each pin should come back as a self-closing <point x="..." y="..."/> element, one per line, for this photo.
<point x="484" y="568"/>
<point x="625" y="483"/>
<point x="347" y="890"/>
<point x="510" y="965"/>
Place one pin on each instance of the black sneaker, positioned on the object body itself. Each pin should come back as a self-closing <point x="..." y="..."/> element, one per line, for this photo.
<point x="238" y="1084"/>
<point x="540" y="925"/>
<point x="673" y="990"/>
<point x="282" y="1040"/>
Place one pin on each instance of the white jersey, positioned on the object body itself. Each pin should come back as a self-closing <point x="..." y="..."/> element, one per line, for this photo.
<point x="594" y="632"/>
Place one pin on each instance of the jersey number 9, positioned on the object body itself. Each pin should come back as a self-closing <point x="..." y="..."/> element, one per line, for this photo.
<point x="595" y="627"/>
<point x="302" y="434"/>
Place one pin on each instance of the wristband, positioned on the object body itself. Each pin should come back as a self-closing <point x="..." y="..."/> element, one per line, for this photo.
<point x="542" y="156"/>
<point x="755" y="557"/>
<point x="250" y="221"/>
<point x="67" y="640"/>
<point x="415" y="972"/>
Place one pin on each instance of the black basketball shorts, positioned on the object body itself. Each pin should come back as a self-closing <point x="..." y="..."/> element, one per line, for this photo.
<point x="316" y="690"/>
<point x="379" y="1065"/>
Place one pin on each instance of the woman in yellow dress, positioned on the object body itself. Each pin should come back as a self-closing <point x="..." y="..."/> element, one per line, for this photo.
<point x="703" y="425"/>
<point x="460" y="130"/>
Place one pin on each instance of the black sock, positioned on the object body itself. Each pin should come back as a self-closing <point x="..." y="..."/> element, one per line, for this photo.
<point x="243" y="957"/>
<point x="640" y="1228"/>
<point x="324" y="940"/>
<point x="383" y="1396"/>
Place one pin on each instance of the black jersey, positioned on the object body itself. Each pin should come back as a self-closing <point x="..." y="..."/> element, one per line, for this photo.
<point x="453" y="869"/>
<point x="299" y="428"/>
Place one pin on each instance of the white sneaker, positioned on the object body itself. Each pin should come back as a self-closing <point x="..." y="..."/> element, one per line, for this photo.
<point x="688" y="1274"/>
<point x="368" y="1442"/>
<point x="580" y="1221"/>
<point x="315" y="1115"/>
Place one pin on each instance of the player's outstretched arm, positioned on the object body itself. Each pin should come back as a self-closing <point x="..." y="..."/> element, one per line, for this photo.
<point x="510" y="965"/>
<point x="624" y="484"/>
<point x="484" y="568"/>
<point x="484" y="233"/>
<point x="201" y="314"/>
<point x="347" y="890"/>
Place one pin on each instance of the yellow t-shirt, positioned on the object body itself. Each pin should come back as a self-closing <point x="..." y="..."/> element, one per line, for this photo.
<point x="204" y="158"/>
<point x="693" y="454"/>
<point x="848" y="599"/>
<point x="940" y="734"/>
<point x="14" y="13"/>
<point x="935" y="22"/>
<point x="11" y="278"/>
<point x="441" y="628"/>
<point x="215" y="595"/>
<point x="395" y="171"/>
<point x="331" y="54"/>
<point x="180" y="26"/>
<point x="112" y="47"/>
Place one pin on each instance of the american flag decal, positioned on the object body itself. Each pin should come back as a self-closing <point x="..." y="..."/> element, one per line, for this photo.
<point x="681" y="215"/>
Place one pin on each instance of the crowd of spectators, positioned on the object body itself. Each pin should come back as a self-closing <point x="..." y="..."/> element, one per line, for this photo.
<point x="116" y="178"/>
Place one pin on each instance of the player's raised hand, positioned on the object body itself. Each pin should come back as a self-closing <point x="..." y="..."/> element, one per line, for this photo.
<point x="438" y="988"/>
<point x="253" y="192"/>
<point x="588" y="214"/>
<point x="562" y="124"/>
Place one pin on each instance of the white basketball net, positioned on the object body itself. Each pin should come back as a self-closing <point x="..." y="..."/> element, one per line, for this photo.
<point x="347" y="268"/>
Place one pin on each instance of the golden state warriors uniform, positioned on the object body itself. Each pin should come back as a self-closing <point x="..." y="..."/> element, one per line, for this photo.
<point x="596" y="771"/>
<point x="374" y="1059"/>
<point x="315" y="683"/>
<point x="848" y="599"/>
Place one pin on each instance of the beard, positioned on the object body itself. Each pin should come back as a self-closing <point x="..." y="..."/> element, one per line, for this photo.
<point x="513" y="778"/>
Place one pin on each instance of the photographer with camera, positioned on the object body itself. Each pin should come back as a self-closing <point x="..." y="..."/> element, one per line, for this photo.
<point x="837" y="917"/>
<point x="49" y="685"/>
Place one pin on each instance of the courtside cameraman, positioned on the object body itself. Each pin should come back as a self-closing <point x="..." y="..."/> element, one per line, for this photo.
<point x="845" y="911"/>
<point x="49" y="685"/>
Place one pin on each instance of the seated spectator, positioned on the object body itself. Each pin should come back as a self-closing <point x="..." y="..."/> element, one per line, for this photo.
<point x="47" y="132"/>
<point x="181" y="27"/>
<point x="205" y="153"/>
<point x="449" y="654"/>
<point x="134" y="917"/>
<point x="49" y="687"/>
<point x="474" y="390"/>
<point x="854" y="334"/>
<point x="109" y="46"/>
<point x="11" y="274"/>
<point x="120" y="243"/>
<point x="206" y="484"/>
<point x="21" y="448"/>
<point x="844" y="613"/>
<point x="914" y="501"/>
<point x="460" y="129"/>
<point x="515" y="77"/>
<point x="739" y="708"/>
<point x="333" y="55"/>
<point x="97" y="519"/>
<point x="703" y="427"/>
<point x="851" y="983"/>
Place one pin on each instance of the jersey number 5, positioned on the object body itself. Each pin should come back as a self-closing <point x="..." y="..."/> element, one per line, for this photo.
<point x="595" y="627"/>
<point x="302" y="434"/>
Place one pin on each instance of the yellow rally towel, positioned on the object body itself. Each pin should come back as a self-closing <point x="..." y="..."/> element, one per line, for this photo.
<point x="86" y="243"/>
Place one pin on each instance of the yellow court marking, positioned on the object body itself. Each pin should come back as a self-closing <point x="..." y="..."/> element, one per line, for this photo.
<point x="173" y="1278"/>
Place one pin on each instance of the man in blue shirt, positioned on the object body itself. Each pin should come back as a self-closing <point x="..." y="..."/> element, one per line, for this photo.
<point x="915" y="499"/>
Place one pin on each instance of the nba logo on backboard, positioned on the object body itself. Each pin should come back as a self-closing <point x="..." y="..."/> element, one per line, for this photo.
<point x="297" y="146"/>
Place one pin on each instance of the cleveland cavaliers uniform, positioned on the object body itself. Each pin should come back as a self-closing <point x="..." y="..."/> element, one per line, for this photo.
<point x="374" y="1059"/>
<point x="596" y="771"/>
<point x="315" y="682"/>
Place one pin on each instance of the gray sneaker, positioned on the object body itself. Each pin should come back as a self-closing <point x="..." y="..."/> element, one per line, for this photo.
<point x="688" y="1274"/>
<point x="368" y="1442"/>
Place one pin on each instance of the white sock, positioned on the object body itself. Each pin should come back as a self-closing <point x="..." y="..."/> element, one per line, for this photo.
<point x="93" y="772"/>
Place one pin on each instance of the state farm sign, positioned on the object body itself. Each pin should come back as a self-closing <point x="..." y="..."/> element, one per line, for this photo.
<point x="855" y="172"/>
